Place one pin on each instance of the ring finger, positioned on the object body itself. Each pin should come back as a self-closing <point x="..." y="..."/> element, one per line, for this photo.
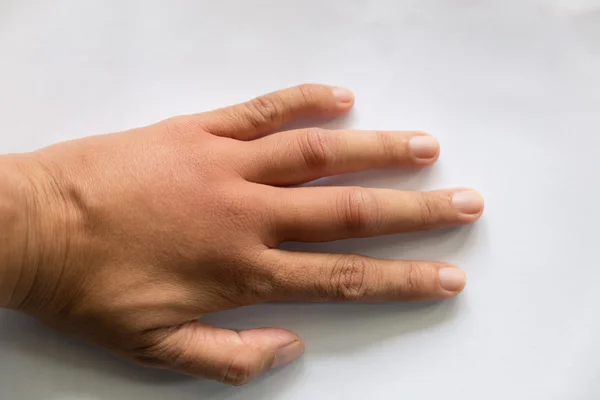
<point x="302" y="276"/>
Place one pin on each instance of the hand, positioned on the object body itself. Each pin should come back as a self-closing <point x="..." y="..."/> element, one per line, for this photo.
<point x="136" y="235"/>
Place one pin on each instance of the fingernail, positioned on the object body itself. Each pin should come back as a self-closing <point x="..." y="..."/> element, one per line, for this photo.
<point x="452" y="279"/>
<point x="342" y="95"/>
<point x="423" y="146"/>
<point x="288" y="353"/>
<point x="468" y="202"/>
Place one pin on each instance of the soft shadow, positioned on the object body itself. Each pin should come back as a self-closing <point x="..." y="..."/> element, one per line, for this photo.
<point x="326" y="329"/>
<point x="321" y="324"/>
<point x="76" y="370"/>
<point x="440" y="245"/>
<point x="403" y="179"/>
<point x="264" y="387"/>
<point x="345" y="121"/>
<point x="34" y="339"/>
<point x="58" y="359"/>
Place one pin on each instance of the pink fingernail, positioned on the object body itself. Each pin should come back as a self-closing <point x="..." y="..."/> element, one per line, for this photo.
<point x="342" y="95"/>
<point x="452" y="279"/>
<point x="288" y="353"/>
<point x="468" y="202"/>
<point x="423" y="146"/>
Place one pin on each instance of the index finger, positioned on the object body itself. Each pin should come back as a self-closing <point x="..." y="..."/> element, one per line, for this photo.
<point x="302" y="276"/>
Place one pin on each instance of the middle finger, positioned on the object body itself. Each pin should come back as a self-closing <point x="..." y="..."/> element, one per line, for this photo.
<point x="310" y="214"/>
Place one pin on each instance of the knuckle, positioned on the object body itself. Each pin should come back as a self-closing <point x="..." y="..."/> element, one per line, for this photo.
<point x="307" y="92"/>
<point x="183" y="126"/>
<point x="245" y="278"/>
<point x="387" y="144"/>
<point x="175" y="126"/>
<point x="348" y="278"/>
<point x="164" y="354"/>
<point x="428" y="210"/>
<point x="315" y="148"/>
<point x="238" y="372"/>
<point x="235" y="204"/>
<point x="414" y="281"/>
<point x="359" y="210"/>
<point x="250" y="284"/>
<point x="266" y="109"/>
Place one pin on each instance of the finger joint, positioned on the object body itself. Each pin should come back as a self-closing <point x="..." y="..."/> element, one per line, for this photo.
<point x="165" y="351"/>
<point x="266" y="110"/>
<point x="428" y="211"/>
<point x="315" y="148"/>
<point x="414" y="281"/>
<point x="238" y="372"/>
<point x="348" y="278"/>
<point x="359" y="210"/>
<point x="307" y="93"/>
<point x="387" y="145"/>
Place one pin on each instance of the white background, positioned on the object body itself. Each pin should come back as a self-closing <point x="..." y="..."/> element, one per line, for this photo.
<point x="510" y="87"/>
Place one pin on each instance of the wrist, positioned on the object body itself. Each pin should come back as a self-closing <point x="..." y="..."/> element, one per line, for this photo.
<point x="32" y="233"/>
<point x="14" y="223"/>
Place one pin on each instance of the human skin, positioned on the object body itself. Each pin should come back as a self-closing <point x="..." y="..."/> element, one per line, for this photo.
<point x="126" y="240"/>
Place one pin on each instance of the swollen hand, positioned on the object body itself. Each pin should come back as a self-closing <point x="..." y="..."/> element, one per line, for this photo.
<point x="139" y="234"/>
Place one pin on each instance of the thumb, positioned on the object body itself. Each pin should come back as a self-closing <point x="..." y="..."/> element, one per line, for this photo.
<point x="221" y="354"/>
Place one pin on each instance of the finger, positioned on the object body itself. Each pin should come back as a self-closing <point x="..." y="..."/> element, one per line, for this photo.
<point x="290" y="158"/>
<point x="330" y="213"/>
<point x="270" y="112"/>
<point x="225" y="355"/>
<point x="349" y="277"/>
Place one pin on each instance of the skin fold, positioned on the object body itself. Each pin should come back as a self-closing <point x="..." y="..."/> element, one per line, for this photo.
<point x="126" y="240"/>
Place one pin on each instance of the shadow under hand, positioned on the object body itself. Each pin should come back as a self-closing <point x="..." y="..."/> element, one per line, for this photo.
<point x="440" y="245"/>
<point x="342" y="329"/>
<point x="64" y="367"/>
<point x="345" y="121"/>
<point x="336" y="327"/>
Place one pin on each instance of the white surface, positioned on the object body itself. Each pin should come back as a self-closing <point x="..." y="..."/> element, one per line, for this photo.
<point x="510" y="87"/>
